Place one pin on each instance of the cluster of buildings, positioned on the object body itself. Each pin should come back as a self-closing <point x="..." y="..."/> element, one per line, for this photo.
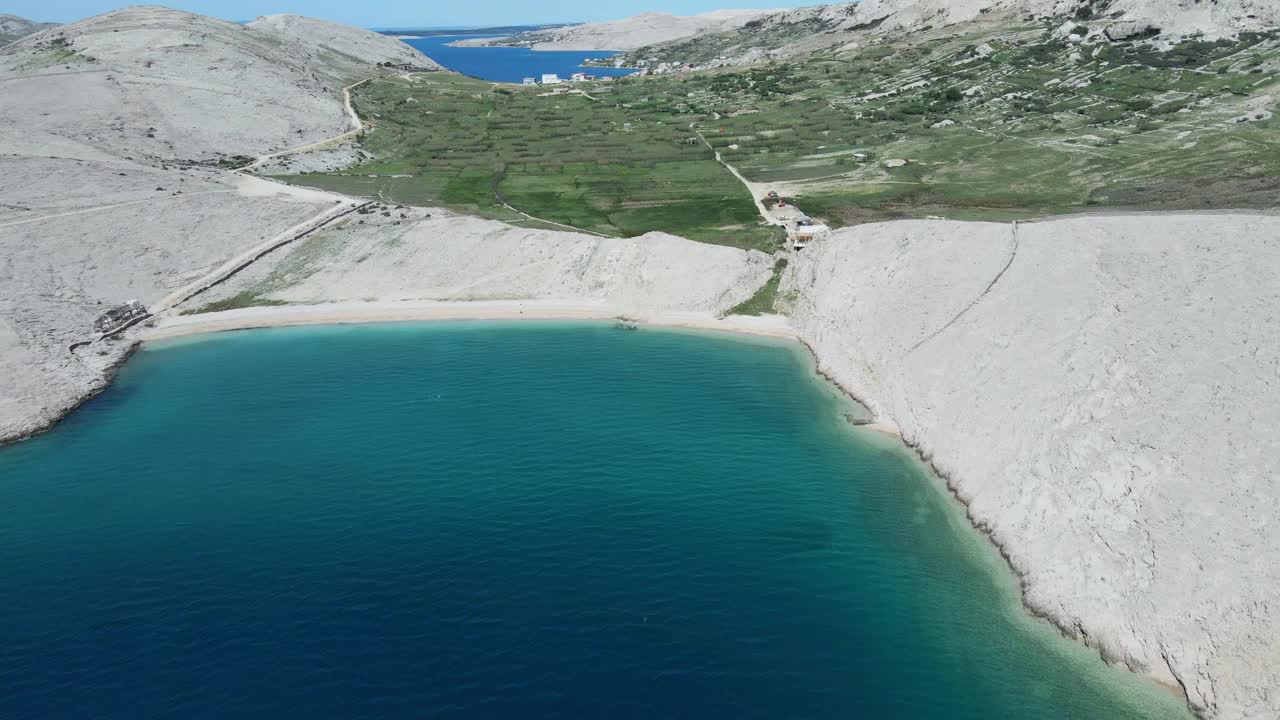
<point x="120" y="317"/>
<point x="648" y="67"/>
<point x="801" y="229"/>
<point x="554" y="79"/>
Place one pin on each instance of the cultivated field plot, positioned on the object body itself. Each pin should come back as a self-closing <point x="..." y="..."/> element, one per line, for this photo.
<point x="1031" y="122"/>
<point x="968" y="124"/>
<point x="575" y="159"/>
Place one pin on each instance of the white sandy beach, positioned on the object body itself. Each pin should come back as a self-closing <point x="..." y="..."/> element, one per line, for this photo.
<point x="340" y="313"/>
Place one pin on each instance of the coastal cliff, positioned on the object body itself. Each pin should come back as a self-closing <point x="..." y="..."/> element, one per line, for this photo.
<point x="1098" y="391"/>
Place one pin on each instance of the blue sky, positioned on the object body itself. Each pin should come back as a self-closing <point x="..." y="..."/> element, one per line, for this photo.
<point x="394" y="13"/>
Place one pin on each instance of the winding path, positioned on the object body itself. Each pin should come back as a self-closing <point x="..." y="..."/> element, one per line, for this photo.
<point x="1013" y="254"/>
<point x="350" y="134"/>
<point x="248" y="257"/>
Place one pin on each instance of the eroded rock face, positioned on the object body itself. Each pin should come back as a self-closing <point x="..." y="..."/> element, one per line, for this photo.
<point x="1100" y="392"/>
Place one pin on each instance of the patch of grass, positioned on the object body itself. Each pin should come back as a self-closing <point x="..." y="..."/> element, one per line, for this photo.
<point x="232" y="162"/>
<point x="244" y="299"/>
<point x="50" y="55"/>
<point x="762" y="302"/>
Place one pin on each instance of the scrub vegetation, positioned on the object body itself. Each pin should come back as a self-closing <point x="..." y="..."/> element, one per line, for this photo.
<point x="1008" y="127"/>
<point x="762" y="302"/>
<point x="57" y="51"/>
<point x="1016" y="123"/>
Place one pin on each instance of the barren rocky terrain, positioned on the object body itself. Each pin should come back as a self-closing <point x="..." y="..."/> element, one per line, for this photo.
<point x="403" y="254"/>
<point x="1097" y="390"/>
<point x="115" y="138"/>
<point x="793" y="33"/>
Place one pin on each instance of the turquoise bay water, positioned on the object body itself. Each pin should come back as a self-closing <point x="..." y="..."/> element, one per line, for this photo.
<point x="498" y="520"/>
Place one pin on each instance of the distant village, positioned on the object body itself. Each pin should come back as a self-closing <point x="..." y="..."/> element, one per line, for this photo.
<point x="554" y="79"/>
<point x="643" y="67"/>
<point x="650" y="66"/>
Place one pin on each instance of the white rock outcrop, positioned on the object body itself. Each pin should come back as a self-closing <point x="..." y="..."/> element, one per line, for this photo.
<point x="1174" y="17"/>
<point x="324" y="39"/>
<point x="418" y="254"/>
<point x="851" y="24"/>
<point x="150" y="82"/>
<point x="1100" y="392"/>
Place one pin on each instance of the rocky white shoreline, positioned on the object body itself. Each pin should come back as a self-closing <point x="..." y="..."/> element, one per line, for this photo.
<point x="1059" y="376"/>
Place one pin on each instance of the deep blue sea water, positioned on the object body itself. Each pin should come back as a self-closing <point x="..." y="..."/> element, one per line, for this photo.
<point x="512" y="65"/>
<point x="496" y="521"/>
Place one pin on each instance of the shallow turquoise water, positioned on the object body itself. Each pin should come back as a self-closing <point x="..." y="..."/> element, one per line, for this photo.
<point x="491" y="520"/>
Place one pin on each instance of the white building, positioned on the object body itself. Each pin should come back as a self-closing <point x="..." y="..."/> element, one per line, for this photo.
<point x="530" y="81"/>
<point x="578" y="77"/>
<point x="551" y="79"/>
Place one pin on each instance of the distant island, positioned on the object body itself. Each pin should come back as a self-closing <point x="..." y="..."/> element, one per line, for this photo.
<point x="499" y="30"/>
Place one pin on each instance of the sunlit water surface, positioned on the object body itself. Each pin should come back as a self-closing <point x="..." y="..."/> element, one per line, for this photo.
<point x="500" y="520"/>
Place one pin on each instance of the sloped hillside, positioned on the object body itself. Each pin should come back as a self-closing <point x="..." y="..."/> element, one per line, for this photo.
<point x="336" y="45"/>
<point x="144" y="82"/>
<point x="13" y="27"/>
<point x="832" y="27"/>
<point x="1098" y="391"/>
<point x="115" y="133"/>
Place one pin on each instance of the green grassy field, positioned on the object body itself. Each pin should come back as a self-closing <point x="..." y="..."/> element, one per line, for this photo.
<point x="1040" y="126"/>
<point x="1000" y="125"/>
<point x="443" y="139"/>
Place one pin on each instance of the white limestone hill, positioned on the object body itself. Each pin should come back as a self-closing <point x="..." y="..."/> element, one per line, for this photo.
<point x="628" y="33"/>
<point x="330" y="42"/>
<point x="1172" y="17"/>
<point x="793" y="33"/>
<point x="111" y="133"/>
<point x="1099" y="392"/>
<point x="145" y="82"/>
<point x="13" y="27"/>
